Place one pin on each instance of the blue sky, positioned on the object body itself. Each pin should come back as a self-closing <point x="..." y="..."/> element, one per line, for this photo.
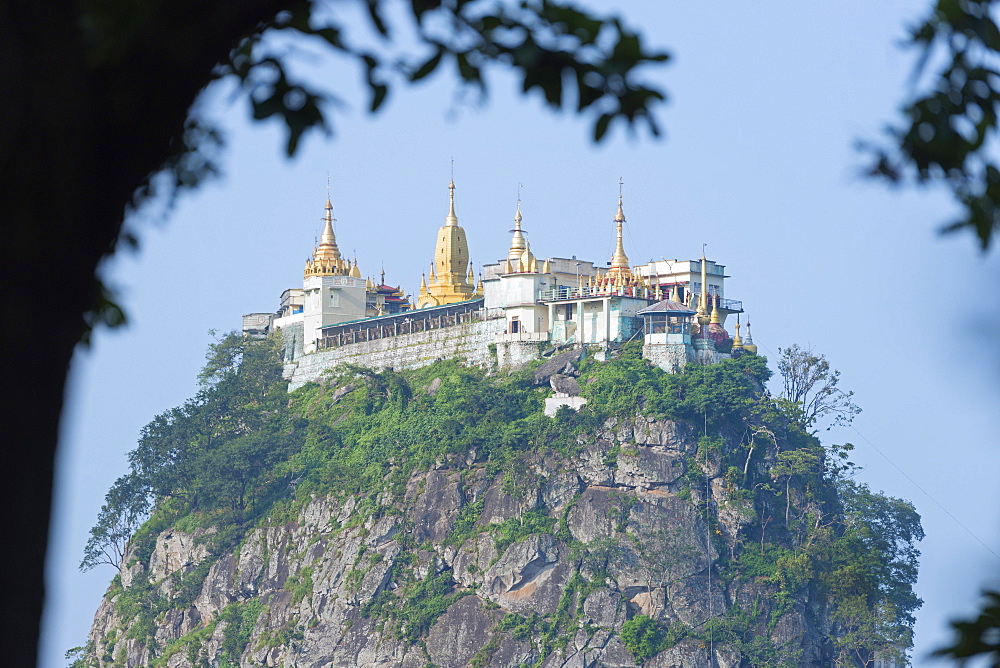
<point x="758" y="161"/>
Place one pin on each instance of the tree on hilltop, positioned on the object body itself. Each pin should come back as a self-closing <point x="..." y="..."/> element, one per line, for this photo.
<point x="810" y="388"/>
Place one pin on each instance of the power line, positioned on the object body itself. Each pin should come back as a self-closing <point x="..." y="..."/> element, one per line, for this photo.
<point x="708" y="540"/>
<point x="925" y="492"/>
<point x="913" y="482"/>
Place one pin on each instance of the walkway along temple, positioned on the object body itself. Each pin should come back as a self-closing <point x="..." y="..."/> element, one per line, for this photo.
<point x="407" y="322"/>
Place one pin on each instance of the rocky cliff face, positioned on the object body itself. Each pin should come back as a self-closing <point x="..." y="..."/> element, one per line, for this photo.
<point x="542" y="564"/>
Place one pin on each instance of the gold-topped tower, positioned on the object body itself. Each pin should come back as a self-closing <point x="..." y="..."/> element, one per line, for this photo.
<point x="326" y="259"/>
<point x="619" y="274"/>
<point x="703" y="316"/>
<point x="449" y="282"/>
<point x="518" y="244"/>
<point x="619" y="261"/>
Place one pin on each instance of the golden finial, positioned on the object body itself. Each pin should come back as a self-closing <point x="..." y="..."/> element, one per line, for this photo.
<point x="546" y="267"/>
<point x="432" y="275"/>
<point x="507" y="268"/>
<point x="355" y="272"/>
<point x="715" y="313"/>
<point x="472" y="275"/>
<point x="479" y="286"/>
<point x="675" y="294"/>
<point x="621" y="213"/>
<point x="451" y="220"/>
<point x="328" y="238"/>
<point x="748" y="344"/>
<point x="737" y="341"/>
<point x="326" y="258"/>
<point x="517" y="242"/>
<point x="703" y="300"/>
<point x="382" y="277"/>
<point x="517" y="215"/>
<point x="619" y="261"/>
<point x="423" y="284"/>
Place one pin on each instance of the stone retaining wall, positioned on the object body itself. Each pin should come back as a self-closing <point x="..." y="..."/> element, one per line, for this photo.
<point x="470" y="341"/>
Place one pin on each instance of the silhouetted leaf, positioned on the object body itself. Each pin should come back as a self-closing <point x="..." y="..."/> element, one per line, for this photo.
<point x="601" y="126"/>
<point x="428" y="66"/>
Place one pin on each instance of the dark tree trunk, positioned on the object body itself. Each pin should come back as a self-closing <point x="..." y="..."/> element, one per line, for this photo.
<point x="80" y="131"/>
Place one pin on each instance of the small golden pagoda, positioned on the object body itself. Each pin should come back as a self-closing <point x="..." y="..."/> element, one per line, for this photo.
<point x="450" y="272"/>
<point x="518" y="244"/>
<point x="619" y="275"/>
<point x="702" y="315"/>
<point x="326" y="259"/>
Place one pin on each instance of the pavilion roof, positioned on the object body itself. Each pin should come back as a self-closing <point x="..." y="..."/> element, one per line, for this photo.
<point x="667" y="307"/>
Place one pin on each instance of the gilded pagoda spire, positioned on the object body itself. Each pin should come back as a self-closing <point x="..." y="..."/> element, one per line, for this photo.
<point x="451" y="220"/>
<point x="703" y="298"/>
<point x="619" y="274"/>
<point x="517" y="241"/>
<point x="449" y="279"/>
<point x="326" y="259"/>
<point x="619" y="260"/>
<point x="328" y="242"/>
<point x="748" y="343"/>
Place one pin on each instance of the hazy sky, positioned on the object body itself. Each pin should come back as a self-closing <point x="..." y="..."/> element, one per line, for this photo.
<point x="766" y="103"/>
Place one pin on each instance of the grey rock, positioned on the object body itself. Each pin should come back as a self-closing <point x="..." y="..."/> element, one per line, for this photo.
<point x="457" y="635"/>
<point x="641" y="548"/>
<point x="564" y="384"/>
<point x="563" y="363"/>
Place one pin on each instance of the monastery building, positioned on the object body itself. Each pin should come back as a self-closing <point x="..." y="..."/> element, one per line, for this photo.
<point x="520" y="308"/>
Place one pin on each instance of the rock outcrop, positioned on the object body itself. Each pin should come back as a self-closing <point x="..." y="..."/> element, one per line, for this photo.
<point x="543" y="564"/>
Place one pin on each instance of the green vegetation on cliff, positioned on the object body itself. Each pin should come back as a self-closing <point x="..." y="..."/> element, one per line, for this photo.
<point x="244" y="454"/>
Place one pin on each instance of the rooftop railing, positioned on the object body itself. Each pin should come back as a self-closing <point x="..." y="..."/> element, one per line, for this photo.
<point x="596" y="291"/>
<point x="585" y="292"/>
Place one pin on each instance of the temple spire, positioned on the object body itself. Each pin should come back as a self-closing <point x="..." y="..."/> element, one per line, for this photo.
<point x="449" y="280"/>
<point x="451" y="220"/>
<point x="703" y="299"/>
<point x="326" y="258"/>
<point x="329" y="240"/>
<point x="748" y="343"/>
<point x="517" y="242"/>
<point x="619" y="260"/>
